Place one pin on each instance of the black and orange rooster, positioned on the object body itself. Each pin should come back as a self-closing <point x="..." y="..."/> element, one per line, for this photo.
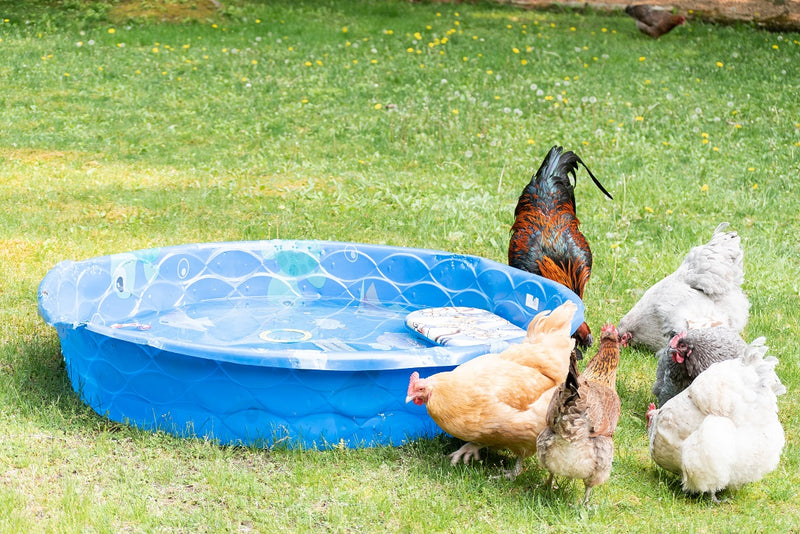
<point x="545" y="239"/>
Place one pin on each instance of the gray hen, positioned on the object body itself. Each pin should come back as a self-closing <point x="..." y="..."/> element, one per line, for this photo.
<point x="689" y="354"/>
<point x="706" y="290"/>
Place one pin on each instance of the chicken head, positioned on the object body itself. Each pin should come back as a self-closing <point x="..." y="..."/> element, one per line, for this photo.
<point x="418" y="391"/>
<point x="678" y="348"/>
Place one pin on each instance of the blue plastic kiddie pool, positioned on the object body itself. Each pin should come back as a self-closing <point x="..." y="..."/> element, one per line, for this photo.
<point x="273" y="342"/>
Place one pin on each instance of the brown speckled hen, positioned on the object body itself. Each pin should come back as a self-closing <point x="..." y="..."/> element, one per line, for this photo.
<point x="582" y="417"/>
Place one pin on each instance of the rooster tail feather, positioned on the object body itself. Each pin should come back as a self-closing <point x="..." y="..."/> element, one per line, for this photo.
<point x="594" y="179"/>
<point x="555" y="172"/>
<point x="557" y="168"/>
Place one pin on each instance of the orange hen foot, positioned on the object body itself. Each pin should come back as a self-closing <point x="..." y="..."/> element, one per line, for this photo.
<point x="466" y="453"/>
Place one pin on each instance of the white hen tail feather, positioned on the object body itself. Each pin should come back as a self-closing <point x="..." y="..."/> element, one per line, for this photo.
<point x="755" y="355"/>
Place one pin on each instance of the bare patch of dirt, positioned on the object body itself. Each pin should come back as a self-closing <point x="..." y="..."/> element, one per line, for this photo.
<point x="777" y="15"/>
<point x="165" y="10"/>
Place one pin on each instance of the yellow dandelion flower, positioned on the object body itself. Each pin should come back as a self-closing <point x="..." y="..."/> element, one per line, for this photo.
<point x="344" y="29"/>
<point x="112" y="30"/>
<point x="515" y="50"/>
<point x="704" y="188"/>
<point x="642" y="58"/>
<point x="648" y="209"/>
<point x="669" y="212"/>
<point x="531" y="142"/>
<point x="155" y="50"/>
<point x="455" y="112"/>
<point x="775" y="47"/>
<point x="524" y="61"/>
<point x="378" y="106"/>
<point x="639" y="118"/>
<point x="751" y="169"/>
<point x="755" y="186"/>
<point x="307" y="63"/>
<point x="720" y="64"/>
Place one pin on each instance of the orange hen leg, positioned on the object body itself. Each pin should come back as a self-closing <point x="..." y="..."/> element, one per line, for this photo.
<point x="466" y="453"/>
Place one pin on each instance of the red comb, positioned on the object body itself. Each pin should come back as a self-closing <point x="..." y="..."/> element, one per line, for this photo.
<point x="673" y="343"/>
<point x="412" y="382"/>
<point x="608" y="328"/>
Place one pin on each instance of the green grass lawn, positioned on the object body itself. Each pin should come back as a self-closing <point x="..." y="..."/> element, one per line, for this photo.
<point x="409" y="124"/>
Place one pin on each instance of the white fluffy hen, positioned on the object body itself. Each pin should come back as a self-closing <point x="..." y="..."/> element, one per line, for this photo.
<point x="706" y="290"/>
<point x="723" y="430"/>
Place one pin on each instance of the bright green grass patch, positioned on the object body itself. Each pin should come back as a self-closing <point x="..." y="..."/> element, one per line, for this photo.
<point x="380" y="122"/>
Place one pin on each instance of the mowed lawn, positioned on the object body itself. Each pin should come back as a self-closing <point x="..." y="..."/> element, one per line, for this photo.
<point x="129" y="125"/>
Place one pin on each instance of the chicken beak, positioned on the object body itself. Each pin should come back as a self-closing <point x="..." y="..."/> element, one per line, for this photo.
<point x="409" y="398"/>
<point x="675" y="355"/>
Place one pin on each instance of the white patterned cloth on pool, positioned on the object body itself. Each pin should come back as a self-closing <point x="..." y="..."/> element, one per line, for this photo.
<point x="459" y="326"/>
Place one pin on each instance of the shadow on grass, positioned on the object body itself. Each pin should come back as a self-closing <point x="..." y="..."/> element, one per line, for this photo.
<point x="36" y="386"/>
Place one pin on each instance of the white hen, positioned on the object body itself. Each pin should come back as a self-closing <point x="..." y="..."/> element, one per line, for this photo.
<point x="723" y="430"/>
<point x="706" y="290"/>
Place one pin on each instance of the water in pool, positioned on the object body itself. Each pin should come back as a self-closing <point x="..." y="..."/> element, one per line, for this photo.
<point x="326" y="325"/>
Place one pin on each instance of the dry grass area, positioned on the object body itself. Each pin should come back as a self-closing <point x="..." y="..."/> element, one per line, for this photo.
<point x="165" y="10"/>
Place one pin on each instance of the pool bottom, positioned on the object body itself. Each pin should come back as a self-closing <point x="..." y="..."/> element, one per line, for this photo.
<point x="269" y="324"/>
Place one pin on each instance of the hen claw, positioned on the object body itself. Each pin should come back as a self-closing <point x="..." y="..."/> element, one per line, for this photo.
<point x="466" y="453"/>
<point x="511" y="474"/>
